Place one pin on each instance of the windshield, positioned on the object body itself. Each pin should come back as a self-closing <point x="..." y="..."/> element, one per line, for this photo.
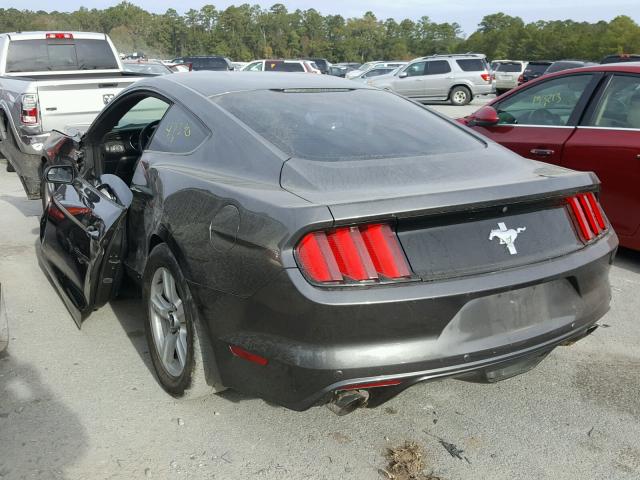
<point x="345" y="124"/>
<point x="59" y="55"/>
<point x="367" y="66"/>
<point x="151" y="68"/>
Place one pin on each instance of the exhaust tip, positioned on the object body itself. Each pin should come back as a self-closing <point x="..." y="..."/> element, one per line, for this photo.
<point x="344" y="403"/>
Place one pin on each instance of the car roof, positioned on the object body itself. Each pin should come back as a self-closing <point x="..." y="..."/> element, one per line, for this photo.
<point x="202" y="56"/>
<point x="40" y="35"/>
<point x="628" y="67"/>
<point x="216" y="83"/>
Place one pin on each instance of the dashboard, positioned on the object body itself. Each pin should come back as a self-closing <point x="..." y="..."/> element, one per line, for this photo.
<point x="120" y="150"/>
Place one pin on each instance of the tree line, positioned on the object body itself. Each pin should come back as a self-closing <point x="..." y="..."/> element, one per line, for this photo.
<point x="246" y="32"/>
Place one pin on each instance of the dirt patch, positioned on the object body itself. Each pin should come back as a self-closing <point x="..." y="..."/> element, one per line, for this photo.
<point x="406" y="462"/>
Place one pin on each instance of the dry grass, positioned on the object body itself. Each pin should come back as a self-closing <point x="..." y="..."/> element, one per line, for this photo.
<point x="406" y="463"/>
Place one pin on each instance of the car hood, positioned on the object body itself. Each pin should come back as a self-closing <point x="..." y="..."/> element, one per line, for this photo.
<point x="388" y="187"/>
<point x="381" y="78"/>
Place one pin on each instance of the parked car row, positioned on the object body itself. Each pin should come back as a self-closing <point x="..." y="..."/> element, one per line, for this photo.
<point x="301" y="66"/>
<point x="511" y="73"/>
<point x="456" y="78"/>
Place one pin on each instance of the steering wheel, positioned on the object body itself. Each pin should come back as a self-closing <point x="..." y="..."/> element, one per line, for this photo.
<point x="543" y="116"/>
<point x="145" y="134"/>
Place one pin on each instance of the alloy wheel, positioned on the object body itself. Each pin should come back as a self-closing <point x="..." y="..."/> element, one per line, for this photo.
<point x="168" y="322"/>
<point x="460" y="97"/>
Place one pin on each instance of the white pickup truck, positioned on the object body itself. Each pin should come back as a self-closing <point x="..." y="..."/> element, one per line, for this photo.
<point x="52" y="81"/>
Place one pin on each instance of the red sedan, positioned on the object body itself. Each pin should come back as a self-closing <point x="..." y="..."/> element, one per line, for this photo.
<point x="584" y="119"/>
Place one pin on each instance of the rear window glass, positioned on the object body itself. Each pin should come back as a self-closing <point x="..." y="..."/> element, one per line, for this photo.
<point x="536" y="68"/>
<point x="59" y="55"/>
<point x="559" y="66"/>
<point x="285" y="67"/>
<point x="509" y="67"/>
<point x="345" y="124"/>
<point x="472" y="64"/>
<point x="216" y="63"/>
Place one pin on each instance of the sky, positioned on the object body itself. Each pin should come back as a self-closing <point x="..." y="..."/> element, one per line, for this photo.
<point x="467" y="13"/>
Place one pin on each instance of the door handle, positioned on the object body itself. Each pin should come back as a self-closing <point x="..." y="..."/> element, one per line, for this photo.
<point x="542" y="152"/>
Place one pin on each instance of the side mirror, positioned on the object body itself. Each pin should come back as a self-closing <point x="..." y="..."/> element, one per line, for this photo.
<point x="486" y="116"/>
<point x="403" y="75"/>
<point x="64" y="174"/>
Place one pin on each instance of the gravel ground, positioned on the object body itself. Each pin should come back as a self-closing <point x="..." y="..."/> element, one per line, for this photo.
<point x="85" y="405"/>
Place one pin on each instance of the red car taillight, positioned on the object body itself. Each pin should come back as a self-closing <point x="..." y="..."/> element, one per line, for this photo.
<point x="366" y="253"/>
<point x="521" y="79"/>
<point x="486" y="77"/>
<point x="29" y="109"/>
<point x="588" y="216"/>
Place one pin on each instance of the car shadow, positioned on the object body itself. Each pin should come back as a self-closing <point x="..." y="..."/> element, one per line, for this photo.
<point x="29" y="414"/>
<point x="130" y="312"/>
<point x="628" y="259"/>
<point x="28" y="208"/>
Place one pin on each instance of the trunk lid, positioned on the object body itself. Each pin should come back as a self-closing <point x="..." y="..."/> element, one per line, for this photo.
<point x="68" y="102"/>
<point x="454" y="213"/>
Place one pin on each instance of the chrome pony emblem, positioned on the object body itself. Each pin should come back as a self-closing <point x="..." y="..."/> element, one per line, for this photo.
<point x="507" y="236"/>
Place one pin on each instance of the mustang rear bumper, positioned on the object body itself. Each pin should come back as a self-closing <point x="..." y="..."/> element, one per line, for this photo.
<point x="318" y="341"/>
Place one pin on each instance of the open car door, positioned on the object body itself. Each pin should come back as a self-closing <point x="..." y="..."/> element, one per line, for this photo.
<point x="82" y="238"/>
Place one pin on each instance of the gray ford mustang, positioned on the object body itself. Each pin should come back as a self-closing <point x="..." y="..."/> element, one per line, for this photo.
<point x="310" y="240"/>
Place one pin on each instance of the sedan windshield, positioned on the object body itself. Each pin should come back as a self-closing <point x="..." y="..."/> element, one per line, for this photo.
<point x="345" y="124"/>
<point x="150" y="68"/>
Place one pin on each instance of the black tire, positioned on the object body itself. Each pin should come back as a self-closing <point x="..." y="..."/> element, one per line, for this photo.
<point x="8" y="139"/>
<point x="460" y="96"/>
<point x="44" y="193"/>
<point x="191" y="383"/>
<point x="501" y="91"/>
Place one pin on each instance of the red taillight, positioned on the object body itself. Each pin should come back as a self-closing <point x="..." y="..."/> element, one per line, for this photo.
<point x="486" y="77"/>
<point x="521" y="79"/>
<point x="56" y="214"/>
<point x="364" y="386"/>
<point x="29" y="109"/>
<point x="245" y="354"/>
<point x="317" y="259"/>
<point x="587" y="215"/>
<point x="367" y="253"/>
<point x="59" y="36"/>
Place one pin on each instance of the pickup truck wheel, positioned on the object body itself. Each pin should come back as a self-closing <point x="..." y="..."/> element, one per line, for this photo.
<point x="172" y="327"/>
<point x="460" y="96"/>
<point x="8" y="139"/>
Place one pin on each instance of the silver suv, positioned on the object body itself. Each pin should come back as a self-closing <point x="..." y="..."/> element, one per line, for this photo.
<point x="456" y="78"/>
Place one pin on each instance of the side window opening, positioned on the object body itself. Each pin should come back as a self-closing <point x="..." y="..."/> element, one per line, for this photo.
<point x="619" y="106"/>
<point x="550" y="103"/>
<point x="120" y="146"/>
<point x="436" y="67"/>
<point x="416" y="69"/>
